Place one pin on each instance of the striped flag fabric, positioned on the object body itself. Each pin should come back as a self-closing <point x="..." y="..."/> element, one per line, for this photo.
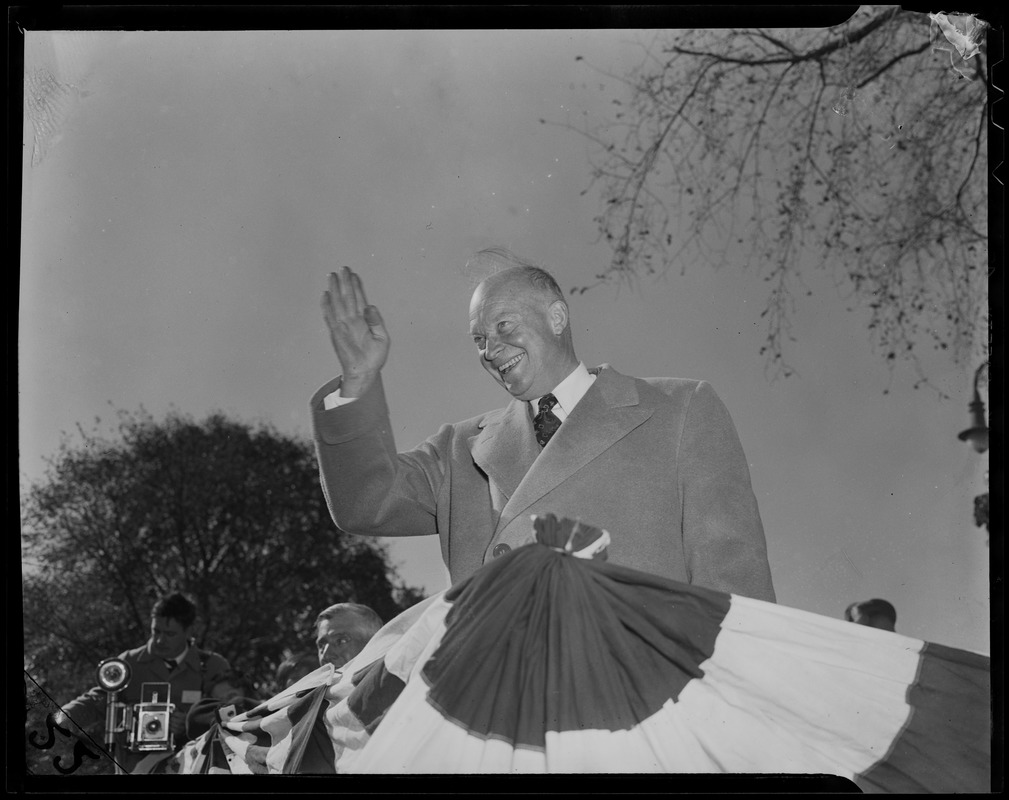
<point x="299" y="730"/>
<point x="204" y="755"/>
<point x="544" y="661"/>
<point x="272" y="738"/>
<point x="551" y="660"/>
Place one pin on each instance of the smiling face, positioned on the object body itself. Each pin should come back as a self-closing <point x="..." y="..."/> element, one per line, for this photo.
<point x="522" y="335"/>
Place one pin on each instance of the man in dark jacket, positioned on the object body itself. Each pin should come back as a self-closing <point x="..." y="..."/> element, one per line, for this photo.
<point x="169" y="656"/>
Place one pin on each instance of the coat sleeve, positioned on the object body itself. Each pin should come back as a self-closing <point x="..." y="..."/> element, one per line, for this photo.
<point x="86" y="710"/>
<point x="723" y="537"/>
<point x="370" y="488"/>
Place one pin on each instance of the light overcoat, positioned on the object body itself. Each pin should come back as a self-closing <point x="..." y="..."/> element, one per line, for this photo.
<point x="655" y="461"/>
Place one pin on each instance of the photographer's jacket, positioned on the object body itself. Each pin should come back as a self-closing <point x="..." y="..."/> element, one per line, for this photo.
<point x="193" y="678"/>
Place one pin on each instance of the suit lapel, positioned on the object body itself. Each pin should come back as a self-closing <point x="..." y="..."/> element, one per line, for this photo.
<point x="506" y="448"/>
<point x="609" y="411"/>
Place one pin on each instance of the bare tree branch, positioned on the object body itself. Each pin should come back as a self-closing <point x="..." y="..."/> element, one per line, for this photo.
<point x="724" y="145"/>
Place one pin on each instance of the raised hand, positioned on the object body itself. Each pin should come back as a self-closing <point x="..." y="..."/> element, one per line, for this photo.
<point x="356" y="330"/>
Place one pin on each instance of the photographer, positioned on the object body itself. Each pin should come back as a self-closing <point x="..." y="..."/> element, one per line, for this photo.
<point x="169" y="656"/>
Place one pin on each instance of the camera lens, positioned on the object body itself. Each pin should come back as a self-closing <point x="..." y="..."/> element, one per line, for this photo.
<point x="113" y="673"/>
<point x="153" y="725"/>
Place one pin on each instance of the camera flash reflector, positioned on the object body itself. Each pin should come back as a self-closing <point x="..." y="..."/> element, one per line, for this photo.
<point x="113" y="674"/>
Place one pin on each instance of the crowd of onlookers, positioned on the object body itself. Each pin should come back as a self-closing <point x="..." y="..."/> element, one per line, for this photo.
<point x="204" y="689"/>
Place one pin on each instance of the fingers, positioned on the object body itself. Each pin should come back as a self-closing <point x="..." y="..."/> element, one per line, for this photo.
<point x="356" y="329"/>
<point x="375" y="322"/>
<point x="345" y="280"/>
<point x="360" y="302"/>
<point x="327" y="307"/>
<point x="337" y="293"/>
<point x="346" y="294"/>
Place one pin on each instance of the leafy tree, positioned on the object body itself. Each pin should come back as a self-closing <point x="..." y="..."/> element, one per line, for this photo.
<point x="231" y="514"/>
<point x="859" y="148"/>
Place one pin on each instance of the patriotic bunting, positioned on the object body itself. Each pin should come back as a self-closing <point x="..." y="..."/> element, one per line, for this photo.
<point x="549" y="659"/>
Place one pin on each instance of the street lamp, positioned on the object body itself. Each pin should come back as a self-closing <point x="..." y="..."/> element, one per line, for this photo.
<point x="977" y="433"/>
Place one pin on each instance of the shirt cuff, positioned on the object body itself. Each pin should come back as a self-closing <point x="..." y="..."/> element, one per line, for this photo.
<point x="335" y="400"/>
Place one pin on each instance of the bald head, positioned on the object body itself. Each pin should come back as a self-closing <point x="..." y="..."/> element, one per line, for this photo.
<point x="501" y="266"/>
<point x="535" y="278"/>
<point x="520" y="324"/>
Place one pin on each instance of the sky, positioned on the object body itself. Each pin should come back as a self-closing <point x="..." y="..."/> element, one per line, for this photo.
<point x="182" y="213"/>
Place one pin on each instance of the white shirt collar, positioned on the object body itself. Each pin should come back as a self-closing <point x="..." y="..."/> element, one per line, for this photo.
<point x="568" y="392"/>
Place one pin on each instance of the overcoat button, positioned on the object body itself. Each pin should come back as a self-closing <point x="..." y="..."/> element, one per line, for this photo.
<point x="499" y="550"/>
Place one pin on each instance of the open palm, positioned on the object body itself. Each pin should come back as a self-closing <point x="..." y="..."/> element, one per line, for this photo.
<point x="356" y="330"/>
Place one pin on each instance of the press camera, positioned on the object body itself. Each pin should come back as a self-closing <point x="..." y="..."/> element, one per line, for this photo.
<point x="146" y="723"/>
<point x="149" y="730"/>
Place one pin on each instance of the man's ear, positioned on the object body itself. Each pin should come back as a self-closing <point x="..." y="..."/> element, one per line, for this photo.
<point x="558" y="317"/>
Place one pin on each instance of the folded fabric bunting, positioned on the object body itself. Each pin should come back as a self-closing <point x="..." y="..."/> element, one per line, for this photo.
<point x="204" y="755"/>
<point x="546" y="660"/>
<point x="273" y="737"/>
<point x="291" y="732"/>
<point x="541" y="662"/>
